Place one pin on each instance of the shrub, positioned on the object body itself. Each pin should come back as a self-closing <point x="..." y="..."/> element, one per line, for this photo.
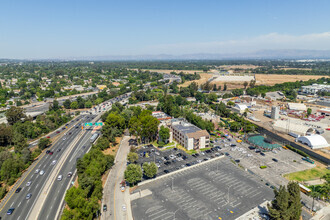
<point x="263" y="167"/>
<point x="297" y="151"/>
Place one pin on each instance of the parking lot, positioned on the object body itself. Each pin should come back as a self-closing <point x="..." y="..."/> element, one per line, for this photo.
<point x="207" y="191"/>
<point x="278" y="162"/>
<point x="173" y="159"/>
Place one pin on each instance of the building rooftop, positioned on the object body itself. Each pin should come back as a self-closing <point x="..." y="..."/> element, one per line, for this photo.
<point x="186" y="127"/>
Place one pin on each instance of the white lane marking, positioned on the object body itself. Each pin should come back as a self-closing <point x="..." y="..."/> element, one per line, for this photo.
<point x="19" y="204"/>
<point x="47" y="216"/>
<point x="18" y="217"/>
<point x="12" y="204"/>
<point x="29" y="188"/>
<point x="37" y="185"/>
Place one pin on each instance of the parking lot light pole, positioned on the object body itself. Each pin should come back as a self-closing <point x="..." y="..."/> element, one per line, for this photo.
<point x="228" y="193"/>
<point x="174" y="213"/>
<point x="172" y="183"/>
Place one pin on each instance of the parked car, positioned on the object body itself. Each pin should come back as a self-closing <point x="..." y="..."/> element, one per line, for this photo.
<point x="275" y="160"/>
<point x="104" y="208"/>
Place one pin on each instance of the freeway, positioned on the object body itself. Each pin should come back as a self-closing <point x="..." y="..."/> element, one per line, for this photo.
<point x="52" y="204"/>
<point x="18" y="200"/>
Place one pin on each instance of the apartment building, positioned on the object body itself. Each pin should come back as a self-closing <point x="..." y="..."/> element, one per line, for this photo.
<point x="188" y="135"/>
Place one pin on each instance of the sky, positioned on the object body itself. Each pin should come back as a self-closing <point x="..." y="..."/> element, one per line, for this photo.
<point x="81" y="28"/>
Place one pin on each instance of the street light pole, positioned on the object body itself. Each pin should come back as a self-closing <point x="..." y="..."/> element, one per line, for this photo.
<point x="228" y="193"/>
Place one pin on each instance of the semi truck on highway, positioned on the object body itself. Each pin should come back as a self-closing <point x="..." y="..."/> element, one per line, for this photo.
<point x="93" y="138"/>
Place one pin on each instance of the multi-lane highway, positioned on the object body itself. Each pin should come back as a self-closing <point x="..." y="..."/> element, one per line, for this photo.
<point x="44" y="163"/>
<point x="47" y="192"/>
<point x="52" y="204"/>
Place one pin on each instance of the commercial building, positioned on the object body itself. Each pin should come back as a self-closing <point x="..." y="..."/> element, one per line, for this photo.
<point x="324" y="111"/>
<point x="297" y="106"/>
<point x="275" y="113"/>
<point x="314" y="141"/>
<point x="188" y="135"/>
<point x="315" y="88"/>
<point x="239" y="108"/>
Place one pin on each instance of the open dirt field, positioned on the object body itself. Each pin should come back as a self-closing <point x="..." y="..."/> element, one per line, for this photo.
<point x="271" y="79"/>
<point x="262" y="79"/>
<point x="177" y="71"/>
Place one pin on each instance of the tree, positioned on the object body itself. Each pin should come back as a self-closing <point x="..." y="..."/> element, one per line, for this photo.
<point x="20" y="142"/>
<point x="225" y="87"/>
<point x="252" y="83"/>
<point x="44" y="143"/>
<point x="74" y="105"/>
<point x="132" y="157"/>
<point x="230" y="103"/>
<point x="54" y="106"/>
<point x="133" y="173"/>
<point x="286" y="205"/>
<point x="215" y="87"/>
<point x="164" y="134"/>
<point x="88" y="104"/>
<point x="149" y="169"/>
<point x="245" y="84"/>
<point x="67" y="104"/>
<point x="15" y="114"/>
<point x="219" y="88"/>
<point x="26" y="155"/>
<point x="309" y="111"/>
<point x="279" y="208"/>
<point x="294" y="200"/>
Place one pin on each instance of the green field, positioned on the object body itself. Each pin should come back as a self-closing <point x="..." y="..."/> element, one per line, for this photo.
<point x="305" y="175"/>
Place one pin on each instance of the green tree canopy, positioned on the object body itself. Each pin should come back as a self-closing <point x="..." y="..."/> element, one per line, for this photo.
<point x="150" y="169"/>
<point x="133" y="173"/>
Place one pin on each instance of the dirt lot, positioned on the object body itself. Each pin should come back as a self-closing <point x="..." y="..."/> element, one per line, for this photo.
<point x="262" y="79"/>
<point x="271" y="79"/>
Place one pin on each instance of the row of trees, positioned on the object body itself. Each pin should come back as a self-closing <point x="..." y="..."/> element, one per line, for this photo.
<point x="15" y="134"/>
<point x="134" y="173"/>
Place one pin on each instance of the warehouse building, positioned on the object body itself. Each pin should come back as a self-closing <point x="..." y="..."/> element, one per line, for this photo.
<point x="297" y="106"/>
<point x="314" y="141"/>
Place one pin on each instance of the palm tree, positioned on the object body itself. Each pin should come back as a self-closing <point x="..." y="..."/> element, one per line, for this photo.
<point x="314" y="194"/>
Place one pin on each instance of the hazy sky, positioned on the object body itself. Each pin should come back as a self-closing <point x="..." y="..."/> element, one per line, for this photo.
<point x="77" y="28"/>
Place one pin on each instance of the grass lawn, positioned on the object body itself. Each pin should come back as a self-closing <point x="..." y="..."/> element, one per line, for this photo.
<point x="190" y="152"/>
<point x="305" y="175"/>
<point x="204" y="149"/>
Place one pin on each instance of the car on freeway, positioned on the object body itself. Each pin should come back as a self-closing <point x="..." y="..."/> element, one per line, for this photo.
<point x="28" y="196"/>
<point x="69" y="174"/>
<point x="64" y="139"/>
<point x="105" y="208"/>
<point x="48" y="136"/>
<point x="275" y="160"/>
<point x="10" y="211"/>
<point x="70" y="133"/>
<point x="53" y="162"/>
<point x="58" y="150"/>
<point x="57" y="132"/>
<point x="51" y="153"/>
<point x="59" y="178"/>
<point x="166" y="171"/>
<point x="28" y="183"/>
<point x="18" y="190"/>
<point x="37" y="171"/>
<point x="47" y="152"/>
<point x="42" y="172"/>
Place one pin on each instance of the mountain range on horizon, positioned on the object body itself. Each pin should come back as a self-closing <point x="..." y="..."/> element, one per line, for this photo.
<point x="261" y="54"/>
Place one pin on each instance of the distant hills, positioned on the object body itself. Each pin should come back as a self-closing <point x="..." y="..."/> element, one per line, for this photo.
<point x="261" y="54"/>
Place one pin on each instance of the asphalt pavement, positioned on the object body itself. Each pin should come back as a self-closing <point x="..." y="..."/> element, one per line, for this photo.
<point x="57" y="192"/>
<point x="18" y="200"/>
